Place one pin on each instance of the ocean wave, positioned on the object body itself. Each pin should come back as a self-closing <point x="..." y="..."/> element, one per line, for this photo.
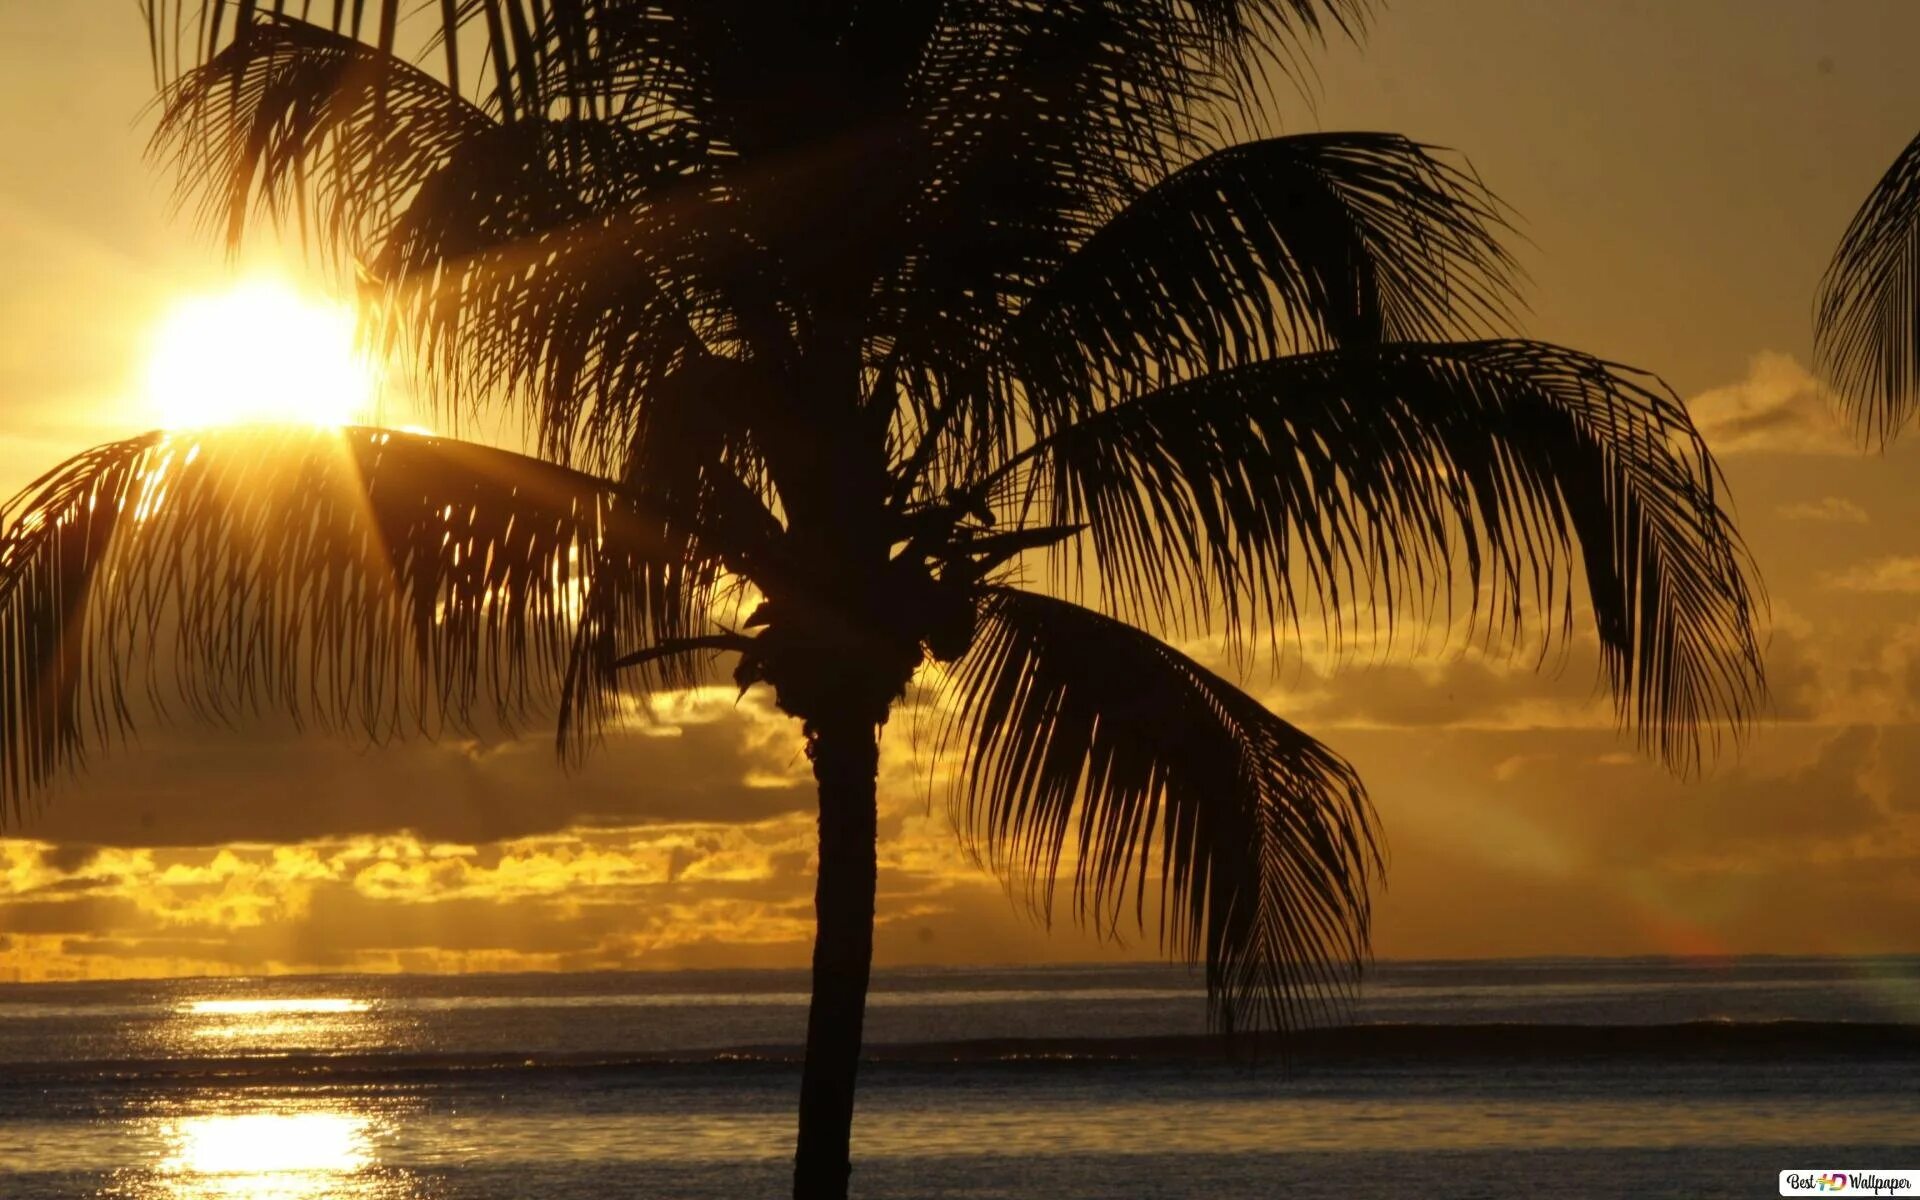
<point x="1711" y="1039"/>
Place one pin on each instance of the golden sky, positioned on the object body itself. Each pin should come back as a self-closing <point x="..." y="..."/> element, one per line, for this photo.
<point x="1682" y="168"/>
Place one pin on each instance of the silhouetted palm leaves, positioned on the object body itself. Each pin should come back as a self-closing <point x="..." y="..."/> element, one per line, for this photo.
<point x="1077" y="730"/>
<point x="1375" y="479"/>
<point x="383" y="582"/>
<point x="1867" y="316"/>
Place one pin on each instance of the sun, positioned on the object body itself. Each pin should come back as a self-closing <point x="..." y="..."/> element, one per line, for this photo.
<point x="258" y="353"/>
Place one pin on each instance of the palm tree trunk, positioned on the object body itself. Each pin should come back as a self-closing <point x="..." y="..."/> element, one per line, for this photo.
<point x="846" y="759"/>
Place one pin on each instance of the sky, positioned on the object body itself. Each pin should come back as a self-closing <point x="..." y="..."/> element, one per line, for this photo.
<point x="1680" y="169"/>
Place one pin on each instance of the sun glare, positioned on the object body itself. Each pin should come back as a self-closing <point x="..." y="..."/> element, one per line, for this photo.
<point x="315" y="1155"/>
<point x="258" y="353"/>
<point x="250" y="1008"/>
<point x="270" y="1143"/>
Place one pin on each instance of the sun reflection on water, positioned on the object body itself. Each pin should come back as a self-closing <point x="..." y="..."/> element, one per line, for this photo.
<point x="248" y="1025"/>
<point x="292" y="1023"/>
<point x="271" y="1141"/>
<point x="299" y="1004"/>
<point x="266" y="1156"/>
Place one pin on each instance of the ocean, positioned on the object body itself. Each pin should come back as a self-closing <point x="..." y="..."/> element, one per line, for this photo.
<point x="1571" y="1077"/>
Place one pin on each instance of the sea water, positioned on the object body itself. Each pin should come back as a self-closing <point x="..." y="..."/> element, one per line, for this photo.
<point x="1562" y="1077"/>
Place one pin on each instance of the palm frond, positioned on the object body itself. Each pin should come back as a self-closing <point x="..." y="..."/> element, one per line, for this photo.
<point x="1285" y="245"/>
<point x="353" y="578"/>
<point x="571" y="261"/>
<point x="1032" y="125"/>
<point x="1374" y="481"/>
<point x="1072" y="729"/>
<point x="1281" y="246"/>
<point x="519" y="39"/>
<point x="498" y="289"/>
<point x="297" y="123"/>
<point x="1867" y="316"/>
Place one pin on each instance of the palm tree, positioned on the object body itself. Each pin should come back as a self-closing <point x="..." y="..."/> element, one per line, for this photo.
<point x="851" y="317"/>
<point x="1867" y="315"/>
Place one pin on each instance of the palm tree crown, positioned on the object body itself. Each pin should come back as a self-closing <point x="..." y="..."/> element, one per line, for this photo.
<point x="859" y="309"/>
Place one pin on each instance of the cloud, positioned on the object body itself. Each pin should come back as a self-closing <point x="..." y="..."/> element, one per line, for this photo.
<point x="1796" y="686"/>
<point x="1779" y="408"/>
<point x="1896" y="573"/>
<point x="1559" y="841"/>
<point x="704" y="758"/>
<point x="1823" y="800"/>
<point x="1564" y="688"/>
<point x="1460" y="692"/>
<point x="663" y="895"/>
<point x="1565" y="802"/>
<point x="1900" y="769"/>
<point x="1833" y="509"/>
<point x="1563" y="824"/>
